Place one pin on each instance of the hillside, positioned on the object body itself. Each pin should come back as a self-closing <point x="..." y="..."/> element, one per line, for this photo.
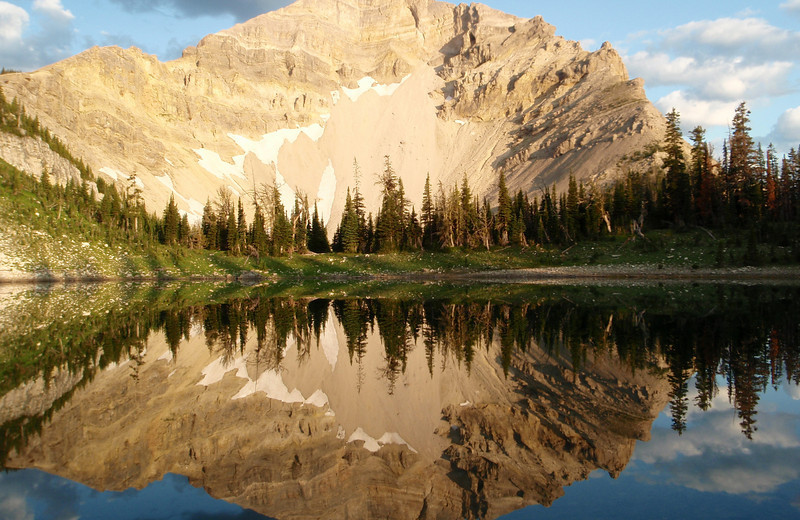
<point x="294" y="96"/>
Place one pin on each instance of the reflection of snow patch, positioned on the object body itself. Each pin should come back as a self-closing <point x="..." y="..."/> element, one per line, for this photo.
<point x="466" y="403"/>
<point x="335" y="96"/>
<point x="340" y="433"/>
<point x="369" y="442"/>
<point x="460" y="122"/>
<point x="270" y="383"/>
<point x="168" y="161"/>
<point x="318" y="399"/>
<point x="329" y="342"/>
<point x="367" y="83"/>
<point x="326" y="192"/>
<point x="166" y="356"/>
<point x="373" y="445"/>
<point x="325" y="118"/>
<point x="217" y="369"/>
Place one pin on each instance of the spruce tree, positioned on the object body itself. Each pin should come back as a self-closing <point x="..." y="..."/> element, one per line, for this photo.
<point x="171" y="222"/>
<point x="318" y="238"/>
<point x="503" y="219"/>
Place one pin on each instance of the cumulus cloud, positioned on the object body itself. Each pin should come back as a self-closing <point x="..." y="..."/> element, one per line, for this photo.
<point x="695" y="111"/>
<point x="13" y="21"/>
<point x="719" y="78"/>
<point x="54" y="10"/>
<point x="52" y="41"/>
<point x="793" y="6"/>
<point x="754" y="38"/>
<point x="241" y="10"/>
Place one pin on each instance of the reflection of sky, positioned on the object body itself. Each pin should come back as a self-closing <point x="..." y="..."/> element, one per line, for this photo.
<point x="32" y="494"/>
<point x="711" y="471"/>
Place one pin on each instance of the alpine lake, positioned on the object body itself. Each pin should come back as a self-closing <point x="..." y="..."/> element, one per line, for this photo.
<point x="593" y="399"/>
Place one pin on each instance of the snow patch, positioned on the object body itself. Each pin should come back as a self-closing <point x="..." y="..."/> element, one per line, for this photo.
<point x="367" y="83"/>
<point x="329" y="342"/>
<point x="213" y="164"/>
<point x="326" y="192"/>
<point x="114" y="174"/>
<point x="166" y="180"/>
<point x="166" y="356"/>
<point x="460" y="122"/>
<point x="335" y="96"/>
<point x="169" y="162"/>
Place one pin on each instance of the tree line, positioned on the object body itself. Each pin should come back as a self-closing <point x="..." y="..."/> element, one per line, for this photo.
<point x="747" y="190"/>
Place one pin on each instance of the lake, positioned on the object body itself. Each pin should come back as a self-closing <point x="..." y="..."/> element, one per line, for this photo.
<point x="400" y="400"/>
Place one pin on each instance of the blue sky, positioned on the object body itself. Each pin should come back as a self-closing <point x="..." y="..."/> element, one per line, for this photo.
<point x="701" y="57"/>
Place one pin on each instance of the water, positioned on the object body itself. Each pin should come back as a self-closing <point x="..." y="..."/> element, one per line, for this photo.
<point x="400" y="401"/>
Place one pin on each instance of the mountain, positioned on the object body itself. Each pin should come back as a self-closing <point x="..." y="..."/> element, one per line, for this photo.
<point x="294" y="96"/>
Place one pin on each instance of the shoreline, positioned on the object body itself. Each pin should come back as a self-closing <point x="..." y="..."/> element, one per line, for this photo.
<point x="517" y="275"/>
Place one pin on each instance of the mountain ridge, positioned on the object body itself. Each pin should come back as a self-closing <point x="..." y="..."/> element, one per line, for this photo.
<point x="290" y="97"/>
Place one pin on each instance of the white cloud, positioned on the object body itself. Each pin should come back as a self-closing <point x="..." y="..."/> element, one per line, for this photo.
<point x="13" y="21"/>
<point x="696" y="111"/>
<point x="754" y="38"/>
<point x="54" y="10"/>
<point x="718" y="78"/>
<point x="793" y="6"/>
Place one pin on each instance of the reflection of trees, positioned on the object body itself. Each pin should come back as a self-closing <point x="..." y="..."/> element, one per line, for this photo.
<point x="748" y="335"/>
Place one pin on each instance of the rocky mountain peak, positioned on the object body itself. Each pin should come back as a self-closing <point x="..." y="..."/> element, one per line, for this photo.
<point x="293" y="96"/>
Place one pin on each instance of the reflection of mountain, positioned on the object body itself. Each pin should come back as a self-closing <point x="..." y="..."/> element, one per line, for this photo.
<point x="465" y="402"/>
<point x="478" y="443"/>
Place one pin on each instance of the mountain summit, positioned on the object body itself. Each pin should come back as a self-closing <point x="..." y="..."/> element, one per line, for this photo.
<point x="293" y="96"/>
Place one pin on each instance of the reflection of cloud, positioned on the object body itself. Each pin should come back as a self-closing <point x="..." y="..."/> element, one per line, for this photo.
<point x="713" y="455"/>
<point x="58" y="496"/>
<point x="791" y="388"/>
<point x="14" y="507"/>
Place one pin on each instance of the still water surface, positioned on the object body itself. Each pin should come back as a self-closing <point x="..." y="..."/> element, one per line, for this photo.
<point x="400" y="401"/>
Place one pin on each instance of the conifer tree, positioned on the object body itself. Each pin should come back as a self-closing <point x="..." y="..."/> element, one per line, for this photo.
<point x="503" y="218"/>
<point x="318" y="239"/>
<point x="171" y="222"/>
<point x="428" y="215"/>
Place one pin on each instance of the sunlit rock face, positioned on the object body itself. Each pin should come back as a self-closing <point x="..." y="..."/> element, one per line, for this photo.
<point x="294" y="96"/>
<point x="328" y="424"/>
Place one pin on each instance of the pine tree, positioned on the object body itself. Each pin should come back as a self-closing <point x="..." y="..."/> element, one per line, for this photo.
<point x="209" y="227"/>
<point x="241" y="229"/>
<point x="503" y="220"/>
<point x="428" y="215"/>
<point x="318" y="239"/>
<point x="171" y="222"/>
<point x="678" y="182"/>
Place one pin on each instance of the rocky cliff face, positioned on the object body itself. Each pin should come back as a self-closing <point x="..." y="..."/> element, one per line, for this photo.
<point x="293" y="96"/>
<point x="448" y="444"/>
